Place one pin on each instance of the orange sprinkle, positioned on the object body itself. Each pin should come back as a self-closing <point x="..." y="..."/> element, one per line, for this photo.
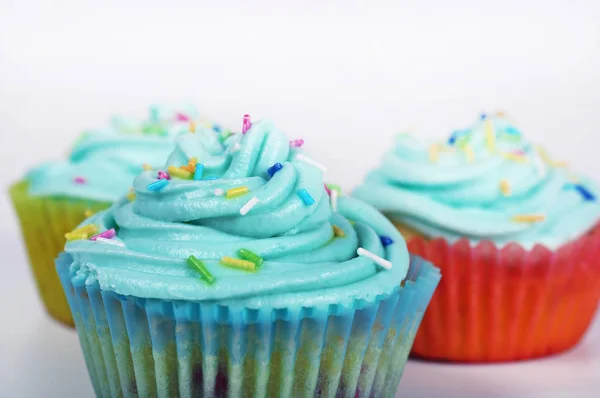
<point x="189" y="167"/>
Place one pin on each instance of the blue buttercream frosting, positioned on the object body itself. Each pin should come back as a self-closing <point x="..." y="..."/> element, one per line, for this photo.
<point x="304" y="262"/>
<point x="104" y="162"/>
<point x="479" y="184"/>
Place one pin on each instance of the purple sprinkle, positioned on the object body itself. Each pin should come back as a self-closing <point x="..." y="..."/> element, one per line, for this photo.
<point x="108" y="234"/>
<point x="79" y="180"/>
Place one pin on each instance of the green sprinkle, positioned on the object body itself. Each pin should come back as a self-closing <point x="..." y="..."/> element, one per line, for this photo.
<point x="226" y="134"/>
<point x="246" y="254"/>
<point x="201" y="268"/>
<point x="334" y="187"/>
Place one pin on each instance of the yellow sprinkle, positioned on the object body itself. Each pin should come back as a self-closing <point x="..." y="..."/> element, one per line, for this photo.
<point x="490" y="135"/>
<point x="175" y="171"/>
<point x="70" y="236"/>
<point x="147" y="167"/>
<point x="233" y="192"/>
<point x="433" y="153"/>
<point x="528" y="218"/>
<point x="505" y="188"/>
<point x="573" y="178"/>
<point x="556" y="163"/>
<point x="338" y="232"/>
<point x="192" y="127"/>
<point x="131" y="196"/>
<point x="468" y="152"/>
<point x="91" y="229"/>
<point x="88" y="213"/>
<point x="515" y="157"/>
<point x="446" y="148"/>
<point x="238" y="264"/>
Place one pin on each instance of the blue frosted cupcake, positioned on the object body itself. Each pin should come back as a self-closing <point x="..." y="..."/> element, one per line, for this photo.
<point x="54" y="197"/>
<point x="231" y="275"/>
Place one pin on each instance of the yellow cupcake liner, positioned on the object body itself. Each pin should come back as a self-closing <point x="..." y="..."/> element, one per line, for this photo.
<point x="44" y="223"/>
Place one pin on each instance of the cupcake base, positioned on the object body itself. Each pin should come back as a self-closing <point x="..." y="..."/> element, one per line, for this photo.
<point x="149" y="347"/>
<point x="44" y="222"/>
<point x="505" y="304"/>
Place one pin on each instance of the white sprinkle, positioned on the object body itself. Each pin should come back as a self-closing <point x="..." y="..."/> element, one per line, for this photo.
<point x="235" y="147"/>
<point x="308" y="160"/>
<point x="249" y="205"/>
<point x="539" y="165"/>
<point x="334" y="198"/>
<point x="219" y="192"/>
<point x="110" y="241"/>
<point x="381" y="261"/>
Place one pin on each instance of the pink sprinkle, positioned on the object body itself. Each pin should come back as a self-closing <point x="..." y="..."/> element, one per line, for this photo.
<point x="519" y="152"/>
<point x="246" y="124"/>
<point x="327" y="189"/>
<point x="109" y="233"/>
<point x="297" y="143"/>
<point x="163" y="176"/>
<point x="182" y="118"/>
<point x="79" y="180"/>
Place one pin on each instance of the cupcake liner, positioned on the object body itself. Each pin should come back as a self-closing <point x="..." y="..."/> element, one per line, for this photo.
<point x="502" y="304"/>
<point x="44" y="222"/>
<point x="150" y="347"/>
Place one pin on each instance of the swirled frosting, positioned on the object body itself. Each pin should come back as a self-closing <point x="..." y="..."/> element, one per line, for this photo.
<point x="304" y="262"/>
<point x="103" y="163"/>
<point x="485" y="183"/>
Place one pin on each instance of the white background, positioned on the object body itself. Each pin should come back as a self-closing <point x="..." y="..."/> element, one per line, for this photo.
<point x="344" y="75"/>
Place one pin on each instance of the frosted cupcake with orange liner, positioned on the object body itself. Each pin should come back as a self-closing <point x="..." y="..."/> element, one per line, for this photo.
<point x="54" y="197"/>
<point x="513" y="231"/>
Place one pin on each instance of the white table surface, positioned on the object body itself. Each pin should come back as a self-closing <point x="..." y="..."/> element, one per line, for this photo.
<point x="41" y="358"/>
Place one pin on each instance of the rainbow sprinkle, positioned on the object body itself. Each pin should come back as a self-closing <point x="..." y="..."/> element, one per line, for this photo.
<point x="505" y="188"/>
<point x="274" y="169"/>
<point x="178" y="172"/>
<point x="201" y="268"/>
<point x="246" y="124"/>
<point x="82" y="232"/>
<point x="297" y="143"/>
<point x="235" y="192"/>
<point x="198" y="171"/>
<point x="108" y="234"/>
<point x="379" y="260"/>
<point x="249" y="205"/>
<point x="528" y="218"/>
<point x="238" y="264"/>
<point x="157" y="185"/>
<point x="490" y="135"/>
<point x="338" y="232"/>
<point x="306" y="198"/>
<point x="247" y="255"/>
<point x="386" y="240"/>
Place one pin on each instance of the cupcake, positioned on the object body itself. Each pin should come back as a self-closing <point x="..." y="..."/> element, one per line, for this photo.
<point x="513" y="231"/>
<point x="233" y="276"/>
<point x="55" y="197"/>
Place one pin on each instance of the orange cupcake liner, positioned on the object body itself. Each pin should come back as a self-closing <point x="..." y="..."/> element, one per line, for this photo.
<point x="505" y="304"/>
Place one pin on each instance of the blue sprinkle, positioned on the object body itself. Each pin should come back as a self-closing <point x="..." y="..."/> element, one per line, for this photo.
<point x="483" y="116"/>
<point x="512" y="131"/>
<point x="217" y="128"/>
<point x="585" y="193"/>
<point x="199" y="171"/>
<point x="386" y="240"/>
<point x="306" y="198"/>
<point x="210" y="178"/>
<point x="274" y="169"/>
<point x="157" y="185"/>
<point x="453" y="138"/>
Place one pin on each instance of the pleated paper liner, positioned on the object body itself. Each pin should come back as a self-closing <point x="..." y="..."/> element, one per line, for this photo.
<point x="44" y="222"/>
<point x="505" y="304"/>
<point x="137" y="347"/>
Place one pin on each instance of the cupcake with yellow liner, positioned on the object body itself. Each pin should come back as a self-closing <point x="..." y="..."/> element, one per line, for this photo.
<point x="230" y="274"/>
<point x="54" y="197"/>
<point x="513" y="231"/>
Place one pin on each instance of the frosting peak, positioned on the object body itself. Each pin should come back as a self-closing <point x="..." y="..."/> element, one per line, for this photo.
<point x="486" y="182"/>
<point x="309" y="252"/>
